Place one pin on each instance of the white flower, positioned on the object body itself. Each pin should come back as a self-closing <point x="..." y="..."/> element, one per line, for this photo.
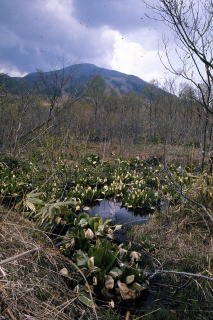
<point x="118" y="227"/>
<point x="89" y="234"/>
<point x="109" y="282"/>
<point x="94" y="281"/>
<point x="130" y="279"/>
<point x="122" y="251"/>
<point x="91" y="262"/>
<point x="64" y="272"/>
<point x="135" y="256"/>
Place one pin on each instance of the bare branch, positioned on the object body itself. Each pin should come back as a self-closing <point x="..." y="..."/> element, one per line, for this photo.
<point x="187" y="274"/>
<point x="18" y="256"/>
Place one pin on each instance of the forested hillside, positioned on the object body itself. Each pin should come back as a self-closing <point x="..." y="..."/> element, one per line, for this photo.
<point x="74" y="79"/>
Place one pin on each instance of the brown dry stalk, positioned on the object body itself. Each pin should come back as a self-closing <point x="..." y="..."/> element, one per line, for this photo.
<point x="2" y="272"/>
<point x="188" y="274"/>
<point x="147" y="314"/>
<point x="18" y="256"/>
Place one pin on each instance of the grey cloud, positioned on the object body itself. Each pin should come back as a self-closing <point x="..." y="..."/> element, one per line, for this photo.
<point x="33" y="37"/>
<point x="122" y="15"/>
<point x="36" y="33"/>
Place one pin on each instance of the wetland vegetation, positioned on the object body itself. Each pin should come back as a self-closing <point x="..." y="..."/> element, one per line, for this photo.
<point x="58" y="200"/>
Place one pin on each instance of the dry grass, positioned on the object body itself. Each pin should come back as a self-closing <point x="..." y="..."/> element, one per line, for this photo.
<point x="113" y="149"/>
<point x="184" y="243"/>
<point x="182" y="154"/>
<point x="32" y="287"/>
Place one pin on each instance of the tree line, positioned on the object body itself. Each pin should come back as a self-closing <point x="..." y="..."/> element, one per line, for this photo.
<point x="101" y="114"/>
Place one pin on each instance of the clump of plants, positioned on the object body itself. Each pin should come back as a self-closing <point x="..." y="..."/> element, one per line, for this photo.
<point x="15" y="177"/>
<point x="134" y="183"/>
<point x="112" y="269"/>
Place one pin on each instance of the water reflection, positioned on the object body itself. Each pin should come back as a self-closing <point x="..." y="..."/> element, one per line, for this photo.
<point x="119" y="215"/>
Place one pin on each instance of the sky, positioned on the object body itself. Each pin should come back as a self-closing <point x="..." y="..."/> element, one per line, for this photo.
<point x="47" y="34"/>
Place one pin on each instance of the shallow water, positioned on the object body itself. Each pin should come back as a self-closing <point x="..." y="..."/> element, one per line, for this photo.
<point x="119" y="215"/>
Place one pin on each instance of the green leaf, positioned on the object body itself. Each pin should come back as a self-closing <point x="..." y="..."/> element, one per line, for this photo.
<point x="33" y="194"/>
<point x="86" y="301"/>
<point x="116" y="272"/>
<point x="81" y="258"/>
<point x="98" y="253"/>
<point x="30" y="205"/>
<point x="83" y="223"/>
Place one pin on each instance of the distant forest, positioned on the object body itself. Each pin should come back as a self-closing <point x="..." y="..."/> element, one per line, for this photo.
<point x="101" y="115"/>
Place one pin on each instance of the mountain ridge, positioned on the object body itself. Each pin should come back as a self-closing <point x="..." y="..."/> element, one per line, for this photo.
<point x="78" y="76"/>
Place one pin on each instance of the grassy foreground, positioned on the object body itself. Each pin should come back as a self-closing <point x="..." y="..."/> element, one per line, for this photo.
<point x="46" y="285"/>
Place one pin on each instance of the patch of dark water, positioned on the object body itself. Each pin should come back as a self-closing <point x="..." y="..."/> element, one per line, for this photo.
<point x="119" y="215"/>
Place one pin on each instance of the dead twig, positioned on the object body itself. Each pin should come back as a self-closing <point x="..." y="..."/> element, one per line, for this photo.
<point x="10" y="314"/>
<point x="2" y="272"/>
<point x="18" y="256"/>
<point x="147" y="314"/>
<point x="127" y="315"/>
<point x="188" y="274"/>
<point x="82" y="315"/>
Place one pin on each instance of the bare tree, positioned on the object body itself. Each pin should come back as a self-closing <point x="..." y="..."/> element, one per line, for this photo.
<point x="192" y="23"/>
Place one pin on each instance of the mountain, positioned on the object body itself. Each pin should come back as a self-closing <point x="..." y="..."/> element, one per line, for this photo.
<point x="75" y="79"/>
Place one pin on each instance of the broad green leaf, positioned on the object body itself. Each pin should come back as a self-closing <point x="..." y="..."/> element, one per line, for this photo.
<point x="83" y="222"/>
<point x="86" y="301"/>
<point x="81" y="258"/>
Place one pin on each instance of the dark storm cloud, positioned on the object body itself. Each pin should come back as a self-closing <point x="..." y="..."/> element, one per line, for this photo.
<point x="38" y="33"/>
<point x="35" y="34"/>
<point x="123" y="15"/>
